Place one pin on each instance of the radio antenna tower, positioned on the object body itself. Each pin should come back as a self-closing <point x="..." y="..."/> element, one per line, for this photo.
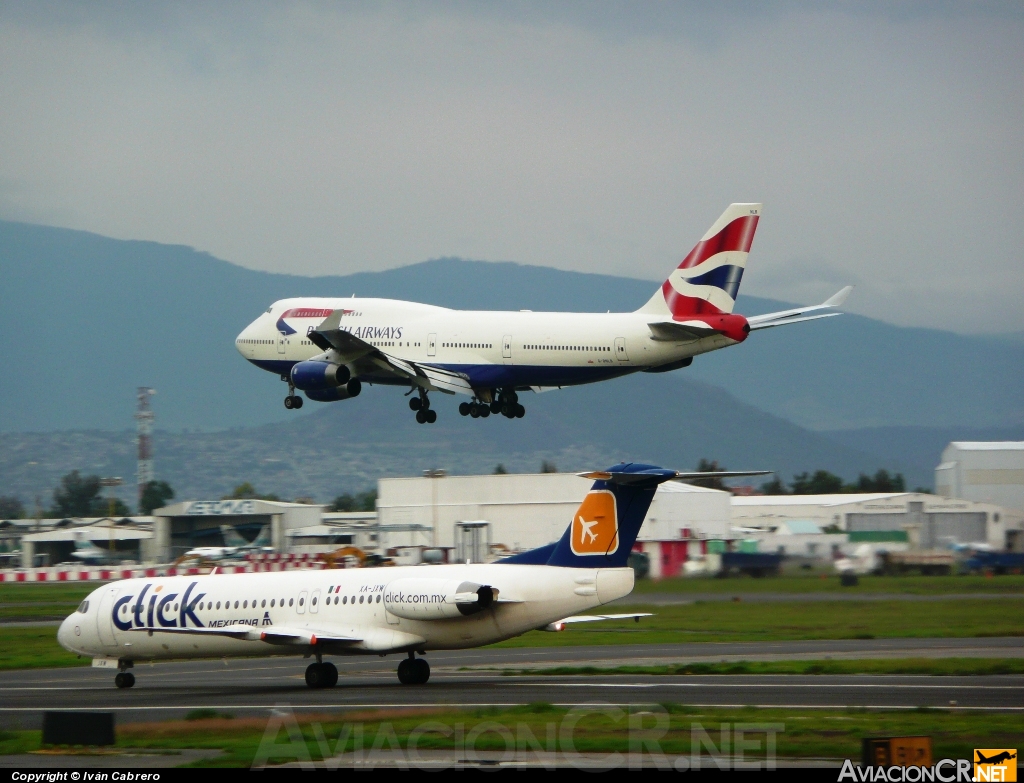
<point x="144" y="416"/>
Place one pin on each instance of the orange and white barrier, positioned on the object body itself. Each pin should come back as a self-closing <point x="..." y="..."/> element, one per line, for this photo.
<point x="57" y="574"/>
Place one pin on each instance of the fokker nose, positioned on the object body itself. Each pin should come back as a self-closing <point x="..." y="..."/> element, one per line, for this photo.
<point x="66" y="633"/>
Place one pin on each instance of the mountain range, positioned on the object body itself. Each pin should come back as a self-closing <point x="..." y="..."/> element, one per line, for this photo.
<point x="88" y="318"/>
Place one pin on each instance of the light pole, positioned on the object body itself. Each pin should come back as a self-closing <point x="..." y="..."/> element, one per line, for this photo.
<point x="111" y="482"/>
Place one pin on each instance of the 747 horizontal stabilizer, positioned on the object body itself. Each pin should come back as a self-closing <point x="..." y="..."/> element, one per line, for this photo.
<point x="797" y="314"/>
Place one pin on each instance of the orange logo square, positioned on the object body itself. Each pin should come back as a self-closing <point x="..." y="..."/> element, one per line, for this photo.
<point x="595" y="527"/>
<point x="995" y="764"/>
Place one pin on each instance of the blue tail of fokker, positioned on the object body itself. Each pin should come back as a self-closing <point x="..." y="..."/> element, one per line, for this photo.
<point x="605" y="526"/>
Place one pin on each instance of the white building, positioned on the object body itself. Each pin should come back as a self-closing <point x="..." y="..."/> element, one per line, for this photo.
<point x="194" y="523"/>
<point x="525" y="511"/>
<point x="930" y="521"/>
<point x="983" y="472"/>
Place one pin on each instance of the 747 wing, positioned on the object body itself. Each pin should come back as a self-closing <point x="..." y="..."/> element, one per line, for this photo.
<point x="349" y="348"/>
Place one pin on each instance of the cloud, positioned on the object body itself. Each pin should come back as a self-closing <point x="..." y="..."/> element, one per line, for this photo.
<point x="321" y="138"/>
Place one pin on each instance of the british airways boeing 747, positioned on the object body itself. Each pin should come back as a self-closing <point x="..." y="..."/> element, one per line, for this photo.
<point x="328" y="348"/>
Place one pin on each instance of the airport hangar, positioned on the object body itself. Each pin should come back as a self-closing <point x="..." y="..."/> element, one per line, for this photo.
<point x="985" y="472"/>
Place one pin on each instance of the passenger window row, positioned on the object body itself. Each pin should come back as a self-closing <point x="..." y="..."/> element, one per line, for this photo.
<point x="211" y="605"/>
<point x="602" y="349"/>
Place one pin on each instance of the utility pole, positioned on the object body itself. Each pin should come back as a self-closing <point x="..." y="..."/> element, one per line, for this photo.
<point x="111" y="482"/>
<point x="144" y="416"/>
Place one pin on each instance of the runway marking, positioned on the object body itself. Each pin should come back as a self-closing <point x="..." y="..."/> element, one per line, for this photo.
<point x="465" y="705"/>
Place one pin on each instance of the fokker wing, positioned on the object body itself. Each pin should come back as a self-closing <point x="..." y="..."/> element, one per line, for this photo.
<point x="592" y="618"/>
<point x="329" y="335"/>
<point x="798" y="314"/>
<point x="269" y="634"/>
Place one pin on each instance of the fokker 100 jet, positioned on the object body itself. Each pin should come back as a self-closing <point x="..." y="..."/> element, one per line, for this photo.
<point x="327" y="348"/>
<point x="405" y="610"/>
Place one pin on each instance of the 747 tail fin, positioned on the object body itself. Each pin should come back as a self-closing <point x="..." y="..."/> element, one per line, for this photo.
<point x="708" y="279"/>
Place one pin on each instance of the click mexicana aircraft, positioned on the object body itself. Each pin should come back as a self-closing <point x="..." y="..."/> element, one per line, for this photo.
<point x="378" y="611"/>
<point x="328" y="348"/>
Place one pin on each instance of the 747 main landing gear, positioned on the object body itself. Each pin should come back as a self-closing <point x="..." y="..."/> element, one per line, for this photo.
<point x="506" y="403"/>
<point x="413" y="670"/>
<point x="421" y="404"/>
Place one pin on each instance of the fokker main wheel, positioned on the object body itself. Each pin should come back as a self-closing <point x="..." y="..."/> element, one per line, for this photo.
<point x="405" y="672"/>
<point x="289" y="402"/>
<point x="421" y="670"/>
<point x="316" y="677"/>
<point x="296" y="402"/>
<point x="330" y="674"/>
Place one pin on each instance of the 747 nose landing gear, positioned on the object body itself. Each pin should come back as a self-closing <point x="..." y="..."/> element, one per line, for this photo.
<point x="293" y="401"/>
<point x="413" y="670"/>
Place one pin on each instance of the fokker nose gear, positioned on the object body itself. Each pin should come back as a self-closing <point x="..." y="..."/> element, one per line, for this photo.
<point x="124" y="678"/>
<point x="292" y="401"/>
<point x="413" y="670"/>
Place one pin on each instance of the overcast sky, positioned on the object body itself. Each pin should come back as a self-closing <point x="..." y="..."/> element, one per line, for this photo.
<point x="884" y="139"/>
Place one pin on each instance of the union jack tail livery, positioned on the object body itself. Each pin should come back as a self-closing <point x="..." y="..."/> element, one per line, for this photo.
<point x="708" y="279"/>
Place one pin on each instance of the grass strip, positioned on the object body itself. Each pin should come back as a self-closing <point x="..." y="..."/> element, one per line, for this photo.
<point x="947" y="667"/>
<point x="35" y="648"/>
<point x="828" y="582"/>
<point x="716" y="621"/>
<point x="800" y="733"/>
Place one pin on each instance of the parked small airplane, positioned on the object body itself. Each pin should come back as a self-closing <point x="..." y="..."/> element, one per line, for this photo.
<point x="378" y="611"/>
<point x="236" y="545"/>
<point x="328" y="348"/>
<point x="86" y="551"/>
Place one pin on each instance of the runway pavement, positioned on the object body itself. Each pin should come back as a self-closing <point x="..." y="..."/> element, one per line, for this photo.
<point x="473" y="679"/>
